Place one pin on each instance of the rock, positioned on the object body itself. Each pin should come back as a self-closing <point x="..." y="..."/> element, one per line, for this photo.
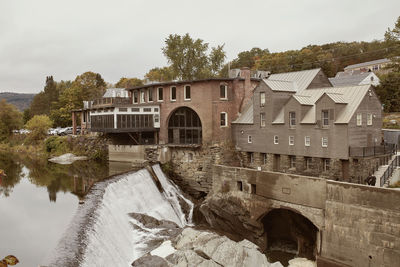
<point x="150" y="261"/>
<point x="203" y="248"/>
<point x="301" y="262"/>
<point x="66" y="159"/>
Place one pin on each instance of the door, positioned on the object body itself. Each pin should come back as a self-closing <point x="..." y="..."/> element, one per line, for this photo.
<point x="345" y="170"/>
<point x="277" y="162"/>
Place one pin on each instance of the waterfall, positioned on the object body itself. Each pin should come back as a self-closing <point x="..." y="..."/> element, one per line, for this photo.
<point x="113" y="238"/>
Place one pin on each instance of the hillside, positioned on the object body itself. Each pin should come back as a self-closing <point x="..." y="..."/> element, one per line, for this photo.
<point x="21" y="101"/>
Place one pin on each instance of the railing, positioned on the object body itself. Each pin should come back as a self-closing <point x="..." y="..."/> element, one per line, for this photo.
<point x="109" y="101"/>
<point x="371" y="151"/>
<point x="389" y="171"/>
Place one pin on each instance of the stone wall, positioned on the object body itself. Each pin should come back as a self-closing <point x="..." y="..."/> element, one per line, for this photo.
<point x="358" y="225"/>
<point x="90" y="146"/>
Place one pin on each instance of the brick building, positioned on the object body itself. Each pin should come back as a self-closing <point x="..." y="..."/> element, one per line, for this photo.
<point x="177" y="112"/>
<point x="299" y="124"/>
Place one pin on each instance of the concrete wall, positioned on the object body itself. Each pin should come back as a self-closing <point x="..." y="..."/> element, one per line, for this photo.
<point x="126" y="153"/>
<point x="359" y="225"/>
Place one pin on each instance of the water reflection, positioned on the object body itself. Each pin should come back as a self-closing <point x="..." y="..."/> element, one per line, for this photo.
<point x="38" y="199"/>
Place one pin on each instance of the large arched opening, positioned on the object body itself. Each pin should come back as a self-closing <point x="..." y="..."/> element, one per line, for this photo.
<point x="288" y="235"/>
<point x="184" y="127"/>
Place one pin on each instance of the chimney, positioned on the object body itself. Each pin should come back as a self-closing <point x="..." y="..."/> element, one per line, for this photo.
<point x="245" y="73"/>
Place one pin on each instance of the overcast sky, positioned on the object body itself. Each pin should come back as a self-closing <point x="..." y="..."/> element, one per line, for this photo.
<point x="123" y="38"/>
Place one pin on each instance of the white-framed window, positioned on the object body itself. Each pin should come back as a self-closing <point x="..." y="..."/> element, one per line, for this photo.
<point x="160" y="94"/>
<point x="262" y="119"/>
<point x="150" y="95"/>
<point x="292" y="162"/>
<point x="264" y="157"/>
<point x="325" y="117"/>
<point x="307" y="141"/>
<point x="326" y="164"/>
<point x="262" y="99"/>
<point x="224" y="119"/>
<point x="308" y="162"/>
<point x="292" y="119"/>
<point x="223" y="91"/>
<point x="142" y="97"/>
<point x="324" y="141"/>
<point x="276" y="139"/>
<point x="172" y="94"/>
<point x="249" y="139"/>
<point x="369" y="119"/>
<point x="359" y="119"/>
<point x="135" y="97"/>
<point x="187" y="93"/>
<point x="291" y="140"/>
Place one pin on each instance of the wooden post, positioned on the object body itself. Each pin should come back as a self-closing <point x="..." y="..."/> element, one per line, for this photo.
<point x="73" y="123"/>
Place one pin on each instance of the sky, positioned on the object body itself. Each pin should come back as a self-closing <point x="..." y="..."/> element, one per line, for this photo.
<point x="123" y="38"/>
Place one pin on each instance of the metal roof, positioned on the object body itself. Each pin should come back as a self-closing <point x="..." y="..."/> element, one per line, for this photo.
<point x="277" y="85"/>
<point x="304" y="100"/>
<point x="247" y="115"/>
<point x="354" y="79"/>
<point x="116" y="92"/>
<point x="349" y="95"/>
<point x="368" y="63"/>
<point x="300" y="79"/>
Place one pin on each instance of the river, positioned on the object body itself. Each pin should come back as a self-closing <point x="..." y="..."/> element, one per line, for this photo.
<point x="38" y="199"/>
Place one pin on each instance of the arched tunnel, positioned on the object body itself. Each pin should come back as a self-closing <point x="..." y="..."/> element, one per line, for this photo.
<point x="289" y="234"/>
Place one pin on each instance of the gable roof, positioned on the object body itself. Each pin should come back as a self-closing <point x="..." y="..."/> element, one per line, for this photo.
<point x="354" y="79"/>
<point x="368" y="63"/>
<point x="291" y="81"/>
<point x="119" y="92"/>
<point x="247" y="115"/>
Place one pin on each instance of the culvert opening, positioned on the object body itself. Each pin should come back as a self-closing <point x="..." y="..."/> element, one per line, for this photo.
<point x="289" y="235"/>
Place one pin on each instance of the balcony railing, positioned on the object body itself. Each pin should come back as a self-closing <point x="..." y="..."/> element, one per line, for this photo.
<point x="371" y="151"/>
<point x="111" y="101"/>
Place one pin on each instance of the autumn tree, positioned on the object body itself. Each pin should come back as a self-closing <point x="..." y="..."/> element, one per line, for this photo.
<point x="128" y="82"/>
<point x="38" y="127"/>
<point x="164" y="74"/>
<point x="188" y="57"/>
<point x="10" y="119"/>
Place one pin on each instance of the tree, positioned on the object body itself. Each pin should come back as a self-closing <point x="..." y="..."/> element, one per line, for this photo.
<point x="128" y="82"/>
<point x="38" y="125"/>
<point x="164" y="74"/>
<point x="91" y="85"/>
<point x="10" y="119"/>
<point x="188" y="57"/>
<point x="392" y="38"/>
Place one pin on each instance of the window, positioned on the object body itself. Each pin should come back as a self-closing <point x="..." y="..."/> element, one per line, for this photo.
<point x="224" y="119"/>
<point x="223" y="91"/>
<point x="292" y="162"/>
<point x="160" y="96"/>
<point x="155" y="109"/>
<point x="264" y="157"/>
<point x="156" y="118"/>
<point x="324" y="141"/>
<point x="187" y="92"/>
<point x="122" y="109"/>
<point x="262" y="99"/>
<point x="135" y="97"/>
<point x="250" y="156"/>
<point x="146" y="109"/>
<point x="369" y="119"/>
<point x="307" y="141"/>
<point x="308" y="162"/>
<point x="253" y="189"/>
<point x="262" y="119"/>
<point x="239" y="185"/>
<point x="135" y="109"/>
<point x="359" y="119"/>
<point x="291" y="140"/>
<point x="173" y="93"/>
<point x="276" y="139"/>
<point x="326" y="164"/>
<point x="249" y="139"/>
<point x="142" y="97"/>
<point x="150" y="95"/>
<point x="292" y="119"/>
<point x="325" y="118"/>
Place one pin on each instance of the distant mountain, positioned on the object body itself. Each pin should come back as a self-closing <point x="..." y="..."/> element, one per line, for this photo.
<point x="21" y="101"/>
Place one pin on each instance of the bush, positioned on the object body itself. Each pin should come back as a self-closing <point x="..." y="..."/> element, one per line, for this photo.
<point x="38" y="125"/>
<point x="56" y="145"/>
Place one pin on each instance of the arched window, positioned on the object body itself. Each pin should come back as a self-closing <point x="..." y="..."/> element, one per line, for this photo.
<point x="184" y="127"/>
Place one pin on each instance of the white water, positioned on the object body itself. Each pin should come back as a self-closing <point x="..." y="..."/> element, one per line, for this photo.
<point x="112" y="240"/>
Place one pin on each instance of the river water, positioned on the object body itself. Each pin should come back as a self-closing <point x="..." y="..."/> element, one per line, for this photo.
<point x="38" y="200"/>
